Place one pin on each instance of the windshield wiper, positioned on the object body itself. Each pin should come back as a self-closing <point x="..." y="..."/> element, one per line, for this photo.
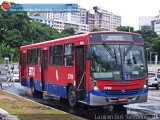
<point x="112" y="53"/>
<point x="127" y="51"/>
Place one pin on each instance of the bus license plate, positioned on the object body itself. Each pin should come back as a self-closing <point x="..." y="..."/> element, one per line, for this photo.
<point x="123" y="99"/>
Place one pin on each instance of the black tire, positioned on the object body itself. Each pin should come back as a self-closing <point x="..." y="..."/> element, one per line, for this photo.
<point x="117" y="108"/>
<point x="33" y="90"/>
<point x="72" y="100"/>
<point x="157" y="87"/>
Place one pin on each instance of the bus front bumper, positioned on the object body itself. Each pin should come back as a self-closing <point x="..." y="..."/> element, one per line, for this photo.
<point x="100" y="100"/>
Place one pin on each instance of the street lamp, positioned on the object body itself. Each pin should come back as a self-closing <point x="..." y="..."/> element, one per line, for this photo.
<point x="147" y="53"/>
<point x="151" y="57"/>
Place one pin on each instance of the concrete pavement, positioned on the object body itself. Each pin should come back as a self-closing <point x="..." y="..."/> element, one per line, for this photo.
<point x="4" y="115"/>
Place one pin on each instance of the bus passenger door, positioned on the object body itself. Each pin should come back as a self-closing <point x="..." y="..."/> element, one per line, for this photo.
<point x="44" y="67"/>
<point x="80" y="72"/>
<point x="22" y="68"/>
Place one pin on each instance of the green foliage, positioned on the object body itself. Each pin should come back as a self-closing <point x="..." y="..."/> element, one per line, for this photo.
<point x="17" y="30"/>
<point x="67" y="32"/>
<point x="39" y="32"/>
<point x="148" y="36"/>
<point x="96" y="30"/>
<point x="13" y="38"/>
<point x="125" y="28"/>
<point x="155" y="45"/>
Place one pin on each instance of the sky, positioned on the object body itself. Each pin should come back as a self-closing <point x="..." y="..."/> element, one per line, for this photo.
<point x="129" y="10"/>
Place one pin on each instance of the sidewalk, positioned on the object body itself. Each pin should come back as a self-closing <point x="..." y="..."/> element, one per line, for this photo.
<point x="4" y="115"/>
<point x="19" y="108"/>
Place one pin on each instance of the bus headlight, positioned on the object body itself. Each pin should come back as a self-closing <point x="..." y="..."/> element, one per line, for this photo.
<point x="95" y="86"/>
<point x="145" y="84"/>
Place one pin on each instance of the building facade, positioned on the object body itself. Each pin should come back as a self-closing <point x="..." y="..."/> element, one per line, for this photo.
<point x="157" y="24"/>
<point x="145" y="22"/>
<point x="85" y="20"/>
<point x="150" y="22"/>
<point x="60" y="25"/>
<point x="106" y="20"/>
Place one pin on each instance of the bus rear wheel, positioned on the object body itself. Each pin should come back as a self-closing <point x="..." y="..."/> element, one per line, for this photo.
<point x="33" y="90"/>
<point x="72" y="96"/>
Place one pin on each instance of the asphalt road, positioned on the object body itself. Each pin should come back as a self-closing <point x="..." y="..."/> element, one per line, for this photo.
<point x="145" y="111"/>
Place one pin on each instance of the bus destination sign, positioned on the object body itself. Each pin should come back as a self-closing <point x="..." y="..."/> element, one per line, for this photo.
<point x="115" y="37"/>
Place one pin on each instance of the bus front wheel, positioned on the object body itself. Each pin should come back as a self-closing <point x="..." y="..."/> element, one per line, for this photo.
<point x="72" y="96"/>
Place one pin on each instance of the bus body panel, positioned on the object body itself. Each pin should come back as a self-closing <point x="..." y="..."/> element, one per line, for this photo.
<point x="58" y="77"/>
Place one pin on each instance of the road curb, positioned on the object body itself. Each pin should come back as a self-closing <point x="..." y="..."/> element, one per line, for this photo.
<point x="4" y="115"/>
<point x="66" y="113"/>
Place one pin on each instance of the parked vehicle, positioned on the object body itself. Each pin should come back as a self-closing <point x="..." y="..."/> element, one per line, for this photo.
<point x="16" y="75"/>
<point x="154" y="79"/>
<point x="6" y="63"/>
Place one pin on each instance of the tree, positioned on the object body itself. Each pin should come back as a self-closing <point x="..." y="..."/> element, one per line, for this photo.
<point x="96" y="30"/>
<point x="125" y="28"/>
<point x="39" y="32"/>
<point x="155" y="45"/>
<point x="5" y="50"/>
<point x="148" y="36"/>
<point x="67" y="32"/>
<point x="13" y="38"/>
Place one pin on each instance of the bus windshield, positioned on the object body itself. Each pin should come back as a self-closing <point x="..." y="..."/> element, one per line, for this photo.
<point x="118" y="62"/>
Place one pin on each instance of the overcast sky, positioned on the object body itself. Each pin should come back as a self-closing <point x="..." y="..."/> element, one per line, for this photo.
<point x="129" y="10"/>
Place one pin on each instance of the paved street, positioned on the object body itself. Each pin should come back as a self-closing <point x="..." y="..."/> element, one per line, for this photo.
<point x="149" y="110"/>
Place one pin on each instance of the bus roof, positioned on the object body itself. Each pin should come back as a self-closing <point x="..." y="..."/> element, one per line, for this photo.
<point x="77" y="36"/>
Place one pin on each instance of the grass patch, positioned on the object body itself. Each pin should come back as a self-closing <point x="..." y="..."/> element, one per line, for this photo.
<point x="27" y="110"/>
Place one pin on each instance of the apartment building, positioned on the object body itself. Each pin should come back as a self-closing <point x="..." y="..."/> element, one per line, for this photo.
<point x="60" y="25"/>
<point x="106" y="20"/>
<point x="150" y="22"/>
<point x="145" y="22"/>
<point x="95" y="18"/>
<point x="157" y="24"/>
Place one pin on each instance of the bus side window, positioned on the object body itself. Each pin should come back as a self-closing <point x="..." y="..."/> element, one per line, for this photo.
<point x="39" y="56"/>
<point x="28" y="57"/>
<point x="68" y="54"/>
<point x="50" y="55"/>
<point x="57" y="55"/>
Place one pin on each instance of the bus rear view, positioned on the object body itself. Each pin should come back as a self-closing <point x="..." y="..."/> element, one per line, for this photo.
<point x="118" y="69"/>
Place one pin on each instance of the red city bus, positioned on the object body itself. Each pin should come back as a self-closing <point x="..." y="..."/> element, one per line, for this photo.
<point x="97" y="68"/>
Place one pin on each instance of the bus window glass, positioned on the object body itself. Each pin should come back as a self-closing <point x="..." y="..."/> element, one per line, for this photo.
<point x="50" y="55"/>
<point x="57" y="55"/>
<point x="28" y="57"/>
<point x="39" y="56"/>
<point x="68" y="54"/>
<point x="33" y="56"/>
<point x="118" y="62"/>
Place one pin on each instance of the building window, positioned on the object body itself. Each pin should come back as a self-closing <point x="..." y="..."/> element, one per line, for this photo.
<point x="68" y="54"/>
<point x="57" y="55"/>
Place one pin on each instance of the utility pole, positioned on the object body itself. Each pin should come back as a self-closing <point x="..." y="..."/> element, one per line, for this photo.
<point x="151" y="57"/>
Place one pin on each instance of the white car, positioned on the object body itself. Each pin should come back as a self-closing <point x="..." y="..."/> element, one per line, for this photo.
<point x="16" y="75"/>
<point x="154" y="79"/>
